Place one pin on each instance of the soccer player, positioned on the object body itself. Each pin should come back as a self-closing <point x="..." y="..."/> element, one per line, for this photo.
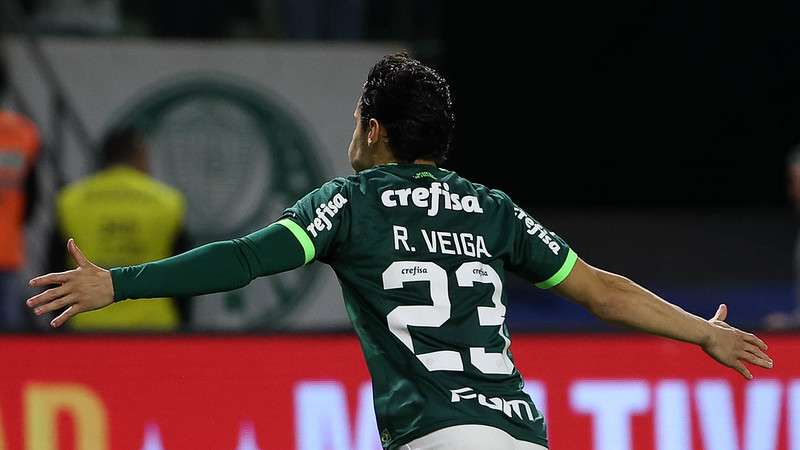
<point x="421" y="254"/>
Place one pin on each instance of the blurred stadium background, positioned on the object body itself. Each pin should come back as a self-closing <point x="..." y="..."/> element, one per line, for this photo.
<point x="656" y="138"/>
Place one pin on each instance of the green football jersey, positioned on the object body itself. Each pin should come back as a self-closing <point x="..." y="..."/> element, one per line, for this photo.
<point x="421" y="255"/>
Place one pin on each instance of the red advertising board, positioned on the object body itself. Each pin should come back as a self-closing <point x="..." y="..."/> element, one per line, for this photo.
<point x="600" y="392"/>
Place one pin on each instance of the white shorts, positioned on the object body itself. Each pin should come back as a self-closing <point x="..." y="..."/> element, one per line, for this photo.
<point x="469" y="437"/>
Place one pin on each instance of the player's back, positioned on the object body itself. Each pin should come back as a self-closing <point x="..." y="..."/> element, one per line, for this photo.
<point x="421" y="254"/>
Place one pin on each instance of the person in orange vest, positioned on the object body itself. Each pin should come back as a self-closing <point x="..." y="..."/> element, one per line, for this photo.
<point x="19" y="145"/>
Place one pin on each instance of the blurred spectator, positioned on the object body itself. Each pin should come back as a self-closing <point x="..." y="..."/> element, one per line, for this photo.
<point x="783" y="320"/>
<point x="122" y="216"/>
<point x="19" y="144"/>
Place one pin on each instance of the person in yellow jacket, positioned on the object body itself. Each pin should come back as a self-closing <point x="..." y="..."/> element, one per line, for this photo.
<point x="122" y="216"/>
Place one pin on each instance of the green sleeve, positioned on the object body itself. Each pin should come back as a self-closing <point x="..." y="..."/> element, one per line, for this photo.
<point x="537" y="254"/>
<point x="218" y="266"/>
<point x="324" y="218"/>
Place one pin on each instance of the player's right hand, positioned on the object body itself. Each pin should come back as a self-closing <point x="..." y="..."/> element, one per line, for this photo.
<point x="732" y="347"/>
<point x="86" y="288"/>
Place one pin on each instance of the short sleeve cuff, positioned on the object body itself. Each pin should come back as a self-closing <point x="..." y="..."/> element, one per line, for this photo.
<point x="301" y="236"/>
<point x="561" y="274"/>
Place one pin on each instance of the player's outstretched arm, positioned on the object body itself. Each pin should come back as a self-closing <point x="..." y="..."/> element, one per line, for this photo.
<point x="616" y="299"/>
<point x="216" y="267"/>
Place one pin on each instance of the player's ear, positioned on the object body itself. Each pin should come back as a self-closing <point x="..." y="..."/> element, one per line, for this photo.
<point x="375" y="132"/>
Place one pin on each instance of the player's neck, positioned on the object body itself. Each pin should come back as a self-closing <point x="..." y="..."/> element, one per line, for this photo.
<point x="383" y="155"/>
<point x="426" y="162"/>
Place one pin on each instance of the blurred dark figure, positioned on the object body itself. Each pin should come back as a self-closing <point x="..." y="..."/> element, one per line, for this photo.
<point x="122" y="216"/>
<point x="323" y="19"/>
<point x="19" y="146"/>
<point x="791" y="320"/>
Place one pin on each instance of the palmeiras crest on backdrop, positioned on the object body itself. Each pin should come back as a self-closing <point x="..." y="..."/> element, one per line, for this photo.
<point x="240" y="156"/>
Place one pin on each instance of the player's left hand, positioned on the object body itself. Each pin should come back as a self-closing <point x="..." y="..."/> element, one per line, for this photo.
<point x="732" y="347"/>
<point x="86" y="288"/>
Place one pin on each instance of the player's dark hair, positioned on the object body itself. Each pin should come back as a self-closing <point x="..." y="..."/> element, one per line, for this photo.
<point x="120" y="145"/>
<point x="413" y="102"/>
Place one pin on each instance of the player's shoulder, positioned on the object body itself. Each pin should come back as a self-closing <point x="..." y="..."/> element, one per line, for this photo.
<point x="338" y="185"/>
<point x="354" y="185"/>
<point x="486" y="195"/>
